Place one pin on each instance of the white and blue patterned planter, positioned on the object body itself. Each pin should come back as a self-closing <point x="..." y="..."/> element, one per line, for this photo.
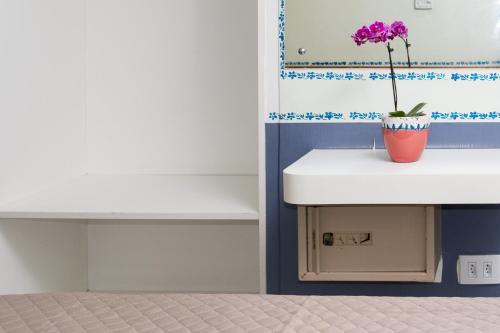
<point x="406" y="123"/>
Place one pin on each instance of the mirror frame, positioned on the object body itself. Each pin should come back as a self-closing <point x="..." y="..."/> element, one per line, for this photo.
<point x="283" y="66"/>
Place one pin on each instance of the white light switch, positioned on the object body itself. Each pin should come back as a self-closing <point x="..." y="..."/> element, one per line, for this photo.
<point x="424" y="4"/>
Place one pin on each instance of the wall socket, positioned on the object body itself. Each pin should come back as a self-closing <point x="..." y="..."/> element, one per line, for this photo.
<point x="472" y="269"/>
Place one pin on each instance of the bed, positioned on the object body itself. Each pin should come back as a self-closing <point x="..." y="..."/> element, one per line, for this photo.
<point x="94" y="312"/>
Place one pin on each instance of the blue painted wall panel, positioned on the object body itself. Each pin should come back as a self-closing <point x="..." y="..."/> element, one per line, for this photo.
<point x="272" y="209"/>
<point x="466" y="229"/>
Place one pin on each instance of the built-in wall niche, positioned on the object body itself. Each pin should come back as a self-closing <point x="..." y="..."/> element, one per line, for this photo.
<point x="131" y="111"/>
<point x="142" y="118"/>
<point x="317" y="32"/>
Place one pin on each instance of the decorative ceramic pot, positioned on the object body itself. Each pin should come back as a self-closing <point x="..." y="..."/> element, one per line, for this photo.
<point x="405" y="138"/>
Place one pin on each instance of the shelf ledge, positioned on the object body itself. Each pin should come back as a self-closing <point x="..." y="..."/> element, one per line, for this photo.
<point x="347" y="176"/>
<point x="159" y="197"/>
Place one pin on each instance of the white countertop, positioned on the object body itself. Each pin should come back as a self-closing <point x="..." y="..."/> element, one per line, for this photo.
<point x="361" y="176"/>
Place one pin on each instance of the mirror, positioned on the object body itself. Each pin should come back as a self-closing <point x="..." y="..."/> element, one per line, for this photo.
<point x="451" y="33"/>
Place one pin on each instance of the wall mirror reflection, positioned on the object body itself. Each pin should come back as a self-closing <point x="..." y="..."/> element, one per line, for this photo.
<point x="443" y="33"/>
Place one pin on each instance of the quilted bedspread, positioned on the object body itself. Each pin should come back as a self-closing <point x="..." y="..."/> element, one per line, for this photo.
<point x="91" y="312"/>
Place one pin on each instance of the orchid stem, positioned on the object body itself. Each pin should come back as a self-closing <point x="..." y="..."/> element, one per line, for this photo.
<point x="408" y="51"/>
<point x="407" y="45"/>
<point x="393" y="78"/>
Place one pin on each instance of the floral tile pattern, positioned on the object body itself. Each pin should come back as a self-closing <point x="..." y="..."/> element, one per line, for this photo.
<point x="376" y="116"/>
<point x="479" y="63"/>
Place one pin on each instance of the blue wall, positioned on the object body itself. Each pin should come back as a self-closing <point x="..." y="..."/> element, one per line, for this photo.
<point x="466" y="229"/>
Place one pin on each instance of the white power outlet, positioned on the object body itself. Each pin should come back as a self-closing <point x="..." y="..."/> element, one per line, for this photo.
<point x="479" y="269"/>
<point x="472" y="269"/>
<point x="487" y="269"/>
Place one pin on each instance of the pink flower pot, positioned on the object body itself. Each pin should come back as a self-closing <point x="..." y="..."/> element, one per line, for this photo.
<point x="405" y="138"/>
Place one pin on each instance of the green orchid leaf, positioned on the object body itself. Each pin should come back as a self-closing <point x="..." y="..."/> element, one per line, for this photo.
<point x="416" y="110"/>
<point x="397" y="114"/>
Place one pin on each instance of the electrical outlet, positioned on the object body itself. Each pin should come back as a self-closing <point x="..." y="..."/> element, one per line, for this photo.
<point x="472" y="269"/>
<point x="478" y="269"/>
<point x="487" y="269"/>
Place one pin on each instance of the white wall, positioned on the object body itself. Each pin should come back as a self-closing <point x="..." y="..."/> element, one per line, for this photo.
<point x="42" y="127"/>
<point x="172" y="86"/>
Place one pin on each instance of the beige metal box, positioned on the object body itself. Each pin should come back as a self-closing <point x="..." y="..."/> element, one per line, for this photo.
<point x="369" y="243"/>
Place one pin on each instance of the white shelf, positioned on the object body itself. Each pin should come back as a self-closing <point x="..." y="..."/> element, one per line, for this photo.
<point x="143" y="197"/>
<point x="442" y="176"/>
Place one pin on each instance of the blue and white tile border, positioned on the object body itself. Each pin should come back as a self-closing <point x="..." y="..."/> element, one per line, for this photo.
<point x="465" y="64"/>
<point x="376" y="116"/>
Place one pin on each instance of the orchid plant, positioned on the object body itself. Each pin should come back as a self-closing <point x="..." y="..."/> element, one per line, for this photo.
<point x="380" y="32"/>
